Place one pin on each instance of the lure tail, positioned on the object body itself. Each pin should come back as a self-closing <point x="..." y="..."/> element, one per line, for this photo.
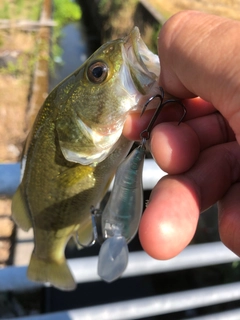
<point x="113" y="258"/>
<point x="55" y="272"/>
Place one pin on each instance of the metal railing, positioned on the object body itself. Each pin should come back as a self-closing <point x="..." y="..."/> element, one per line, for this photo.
<point x="85" y="271"/>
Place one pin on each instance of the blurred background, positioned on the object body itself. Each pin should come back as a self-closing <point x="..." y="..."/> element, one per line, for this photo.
<point x="41" y="42"/>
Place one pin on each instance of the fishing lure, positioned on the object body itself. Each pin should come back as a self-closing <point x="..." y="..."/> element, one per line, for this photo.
<point x="121" y="216"/>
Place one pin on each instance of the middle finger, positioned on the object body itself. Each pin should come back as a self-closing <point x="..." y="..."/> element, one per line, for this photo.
<point x="176" y="148"/>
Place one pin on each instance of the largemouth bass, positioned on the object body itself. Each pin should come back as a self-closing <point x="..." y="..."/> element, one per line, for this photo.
<point x="74" y="149"/>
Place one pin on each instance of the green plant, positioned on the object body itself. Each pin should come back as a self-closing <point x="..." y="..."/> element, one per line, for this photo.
<point x="20" y="9"/>
<point x="1" y="41"/>
<point x="156" y="29"/>
<point x="14" y="68"/>
<point x="66" y="11"/>
<point x="5" y="10"/>
<point x="19" y="4"/>
<point x="34" y="12"/>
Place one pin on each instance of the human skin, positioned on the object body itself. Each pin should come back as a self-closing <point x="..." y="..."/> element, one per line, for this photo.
<point x="199" y="56"/>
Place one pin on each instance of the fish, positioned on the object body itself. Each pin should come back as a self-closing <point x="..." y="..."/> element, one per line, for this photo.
<point x="74" y="149"/>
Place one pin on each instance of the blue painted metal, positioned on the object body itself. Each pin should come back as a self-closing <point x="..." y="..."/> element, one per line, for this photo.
<point x="9" y="178"/>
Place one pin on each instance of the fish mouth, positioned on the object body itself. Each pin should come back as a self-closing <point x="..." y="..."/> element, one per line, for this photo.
<point x="142" y="65"/>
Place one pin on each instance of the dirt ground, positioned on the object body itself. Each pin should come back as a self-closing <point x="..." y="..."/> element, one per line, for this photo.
<point x="225" y="8"/>
<point x="14" y="92"/>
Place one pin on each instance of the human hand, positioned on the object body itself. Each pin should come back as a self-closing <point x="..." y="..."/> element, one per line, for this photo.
<point x="199" y="56"/>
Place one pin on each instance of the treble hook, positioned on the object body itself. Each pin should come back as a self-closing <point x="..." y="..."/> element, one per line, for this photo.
<point x="96" y="234"/>
<point x="145" y="134"/>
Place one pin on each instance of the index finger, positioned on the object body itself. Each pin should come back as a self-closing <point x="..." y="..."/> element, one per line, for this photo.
<point x="195" y="107"/>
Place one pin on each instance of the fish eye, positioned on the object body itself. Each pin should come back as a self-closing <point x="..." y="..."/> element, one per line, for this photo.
<point x="97" y="72"/>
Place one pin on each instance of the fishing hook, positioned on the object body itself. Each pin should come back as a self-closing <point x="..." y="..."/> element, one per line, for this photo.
<point x="95" y="215"/>
<point x="145" y="134"/>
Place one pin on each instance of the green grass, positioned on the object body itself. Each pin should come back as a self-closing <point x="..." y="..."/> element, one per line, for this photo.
<point x="20" y="9"/>
<point x="66" y="11"/>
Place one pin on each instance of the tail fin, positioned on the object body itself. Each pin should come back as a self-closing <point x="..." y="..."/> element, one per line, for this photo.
<point x="56" y="273"/>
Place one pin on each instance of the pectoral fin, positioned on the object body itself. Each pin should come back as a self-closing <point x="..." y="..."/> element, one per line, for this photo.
<point x="82" y="157"/>
<point x="80" y="143"/>
<point x="20" y="212"/>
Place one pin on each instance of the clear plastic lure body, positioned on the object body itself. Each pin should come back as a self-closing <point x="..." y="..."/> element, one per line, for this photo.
<point x="121" y="216"/>
<point x="123" y="211"/>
